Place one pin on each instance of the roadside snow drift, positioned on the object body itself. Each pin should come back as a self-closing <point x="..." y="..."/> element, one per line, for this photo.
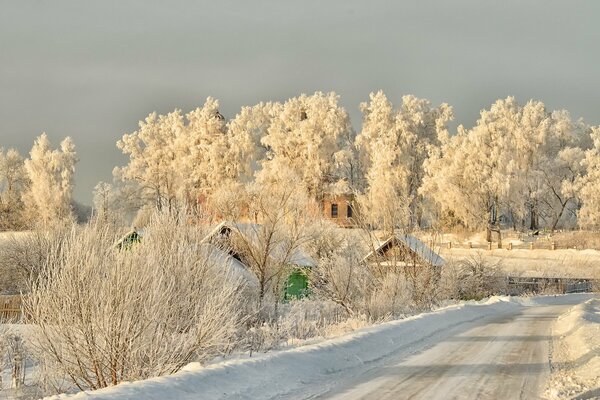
<point x="576" y="353"/>
<point x="279" y="373"/>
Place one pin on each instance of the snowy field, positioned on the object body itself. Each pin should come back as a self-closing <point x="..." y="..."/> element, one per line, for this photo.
<point x="560" y="263"/>
<point x="494" y="348"/>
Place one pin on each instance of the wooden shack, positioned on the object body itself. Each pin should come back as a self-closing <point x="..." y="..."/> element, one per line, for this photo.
<point x="239" y="239"/>
<point x="401" y="250"/>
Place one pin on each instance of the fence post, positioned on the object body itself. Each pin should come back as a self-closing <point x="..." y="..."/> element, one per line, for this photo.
<point x="553" y="246"/>
<point x="470" y="245"/>
<point x="489" y="245"/>
<point x="530" y="245"/>
<point x="449" y="245"/>
<point x="510" y="246"/>
<point x="17" y="372"/>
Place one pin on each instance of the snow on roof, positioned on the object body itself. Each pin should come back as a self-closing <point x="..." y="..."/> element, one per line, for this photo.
<point x="251" y="233"/>
<point x="235" y="266"/>
<point x="423" y="251"/>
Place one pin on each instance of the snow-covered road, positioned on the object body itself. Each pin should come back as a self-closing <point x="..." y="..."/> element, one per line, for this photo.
<point x="496" y="357"/>
<point x="497" y="349"/>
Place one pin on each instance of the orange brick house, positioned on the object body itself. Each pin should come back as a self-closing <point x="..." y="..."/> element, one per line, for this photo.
<point x="340" y="209"/>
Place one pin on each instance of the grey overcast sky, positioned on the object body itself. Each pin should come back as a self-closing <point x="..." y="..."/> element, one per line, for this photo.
<point x="92" y="70"/>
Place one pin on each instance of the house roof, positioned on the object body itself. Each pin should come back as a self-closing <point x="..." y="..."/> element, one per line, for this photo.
<point x="419" y="248"/>
<point x="128" y="236"/>
<point x="251" y="232"/>
<point x="235" y="266"/>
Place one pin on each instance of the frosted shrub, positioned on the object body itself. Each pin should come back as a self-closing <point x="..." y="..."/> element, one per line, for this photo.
<point x="392" y="298"/>
<point x="304" y="319"/>
<point x="22" y="256"/>
<point x="105" y="316"/>
<point x="472" y="278"/>
<point x="297" y="321"/>
<point x="340" y="276"/>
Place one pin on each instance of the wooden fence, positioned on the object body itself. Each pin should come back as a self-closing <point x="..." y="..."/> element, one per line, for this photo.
<point x="11" y="308"/>
<point x="545" y="245"/>
<point x="520" y="285"/>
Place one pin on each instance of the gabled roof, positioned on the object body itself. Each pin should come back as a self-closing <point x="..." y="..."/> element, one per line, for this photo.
<point x="251" y="233"/>
<point x="424" y="252"/>
<point x="235" y="266"/>
<point x="130" y="237"/>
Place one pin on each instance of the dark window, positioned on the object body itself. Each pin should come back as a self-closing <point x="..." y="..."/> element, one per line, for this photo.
<point x="334" y="211"/>
<point x="349" y="211"/>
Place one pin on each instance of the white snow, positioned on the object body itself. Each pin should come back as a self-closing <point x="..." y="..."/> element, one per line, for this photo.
<point x="316" y="366"/>
<point x="560" y="263"/>
<point x="576" y="353"/>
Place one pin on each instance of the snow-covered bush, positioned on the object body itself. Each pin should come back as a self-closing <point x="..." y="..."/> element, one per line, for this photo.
<point x="104" y="316"/>
<point x="472" y="278"/>
<point x="23" y="254"/>
<point x="298" y="321"/>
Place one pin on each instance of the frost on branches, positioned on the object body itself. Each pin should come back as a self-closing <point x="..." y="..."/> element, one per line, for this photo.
<point x="393" y="146"/>
<point x="589" y="215"/>
<point x="518" y="162"/>
<point x="13" y="183"/>
<point x="50" y="173"/>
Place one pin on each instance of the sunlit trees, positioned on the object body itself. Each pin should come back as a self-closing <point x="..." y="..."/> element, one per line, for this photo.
<point x="393" y="146"/>
<point x="152" y="159"/>
<point x="13" y="183"/>
<point x="174" y="160"/>
<point x="519" y="162"/>
<point x="203" y="156"/>
<point x="546" y="149"/>
<point x="312" y="137"/>
<point x="51" y="175"/>
<point x="518" y="165"/>
<point x="246" y="132"/>
<point x="589" y="215"/>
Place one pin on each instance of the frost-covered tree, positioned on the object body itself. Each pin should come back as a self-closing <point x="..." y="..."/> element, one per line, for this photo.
<point x="13" y="183"/>
<point x="546" y="149"/>
<point x="115" y="203"/>
<point x="393" y="146"/>
<point x="467" y="176"/>
<point x="519" y="162"/>
<point x="153" y="157"/>
<point x="51" y="175"/>
<point x="246" y="132"/>
<point x="311" y="136"/>
<point x="175" y="160"/>
<point x="281" y="216"/>
<point x="204" y="150"/>
<point x="589" y="215"/>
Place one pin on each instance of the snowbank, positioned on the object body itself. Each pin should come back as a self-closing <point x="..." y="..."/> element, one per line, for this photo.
<point x="576" y="353"/>
<point x="280" y="373"/>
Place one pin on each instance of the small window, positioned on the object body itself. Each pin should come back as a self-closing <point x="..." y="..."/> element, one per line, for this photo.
<point x="349" y="210"/>
<point x="334" y="211"/>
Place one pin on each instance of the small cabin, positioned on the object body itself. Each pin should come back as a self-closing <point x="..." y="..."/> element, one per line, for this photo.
<point x="340" y="208"/>
<point x="299" y="262"/>
<point x="402" y="250"/>
<point x="129" y="239"/>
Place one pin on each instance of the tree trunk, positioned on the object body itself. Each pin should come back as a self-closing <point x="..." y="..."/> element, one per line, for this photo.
<point x="533" y="225"/>
<point x="558" y="216"/>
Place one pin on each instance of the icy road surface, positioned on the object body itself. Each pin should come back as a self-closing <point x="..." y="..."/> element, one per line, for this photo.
<point x="498" y="349"/>
<point x="495" y="357"/>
